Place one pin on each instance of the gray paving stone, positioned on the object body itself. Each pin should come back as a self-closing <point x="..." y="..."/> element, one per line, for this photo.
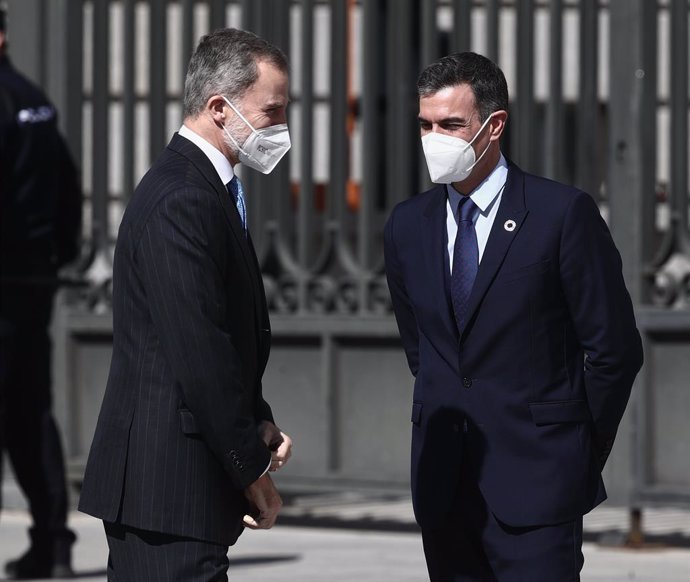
<point x="309" y="554"/>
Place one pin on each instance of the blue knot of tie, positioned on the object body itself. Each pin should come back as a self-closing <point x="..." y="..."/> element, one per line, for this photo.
<point x="237" y="192"/>
<point x="466" y="209"/>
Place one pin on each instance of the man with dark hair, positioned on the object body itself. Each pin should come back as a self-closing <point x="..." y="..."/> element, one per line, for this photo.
<point x="184" y="441"/>
<point x="40" y="201"/>
<point x="518" y="328"/>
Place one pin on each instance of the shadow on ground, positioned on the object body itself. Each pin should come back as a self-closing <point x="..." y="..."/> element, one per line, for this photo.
<point x="246" y="561"/>
<point x="614" y="538"/>
<point x="307" y="510"/>
<point x="99" y="573"/>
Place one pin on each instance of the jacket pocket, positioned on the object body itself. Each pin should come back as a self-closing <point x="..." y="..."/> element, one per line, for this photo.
<point x="187" y="422"/>
<point x="416" y="412"/>
<point x="559" y="411"/>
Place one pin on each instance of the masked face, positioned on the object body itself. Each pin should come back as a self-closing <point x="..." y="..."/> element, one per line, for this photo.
<point x="451" y="159"/>
<point x="264" y="147"/>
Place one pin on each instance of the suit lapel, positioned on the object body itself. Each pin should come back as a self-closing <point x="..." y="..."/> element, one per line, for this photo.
<point x="190" y="151"/>
<point x="434" y="236"/>
<point x="509" y="218"/>
<point x="186" y="148"/>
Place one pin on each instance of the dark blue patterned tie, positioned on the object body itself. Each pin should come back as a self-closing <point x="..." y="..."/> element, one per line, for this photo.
<point x="465" y="260"/>
<point x="237" y="193"/>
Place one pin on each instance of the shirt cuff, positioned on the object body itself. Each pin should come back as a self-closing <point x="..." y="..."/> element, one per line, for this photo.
<point x="267" y="468"/>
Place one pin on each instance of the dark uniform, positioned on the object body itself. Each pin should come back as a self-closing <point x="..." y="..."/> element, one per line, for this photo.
<point x="40" y="204"/>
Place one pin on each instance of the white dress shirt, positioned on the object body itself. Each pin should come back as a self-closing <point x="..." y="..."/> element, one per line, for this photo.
<point x="487" y="197"/>
<point x="216" y="157"/>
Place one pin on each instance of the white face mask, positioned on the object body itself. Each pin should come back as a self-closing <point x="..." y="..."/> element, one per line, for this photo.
<point x="264" y="147"/>
<point x="450" y="159"/>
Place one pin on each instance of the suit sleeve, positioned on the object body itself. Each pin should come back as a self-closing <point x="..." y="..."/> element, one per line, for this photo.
<point x="186" y="294"/>
<point x="402" y="306"/>
<point x="263" y="409"/>
<point x="602" y="313"/>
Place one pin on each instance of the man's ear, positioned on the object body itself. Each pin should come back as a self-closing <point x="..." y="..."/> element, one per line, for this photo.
<point x="497" y="124"/>
<point x="216" y="107"/>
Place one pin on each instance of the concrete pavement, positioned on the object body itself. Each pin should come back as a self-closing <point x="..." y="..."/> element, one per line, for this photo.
<point x="317" y="554"/>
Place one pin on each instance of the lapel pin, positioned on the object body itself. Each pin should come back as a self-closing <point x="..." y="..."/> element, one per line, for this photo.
<point x="509" y="225"/>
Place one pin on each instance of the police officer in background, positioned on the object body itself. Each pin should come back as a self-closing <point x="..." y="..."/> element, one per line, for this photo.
<point x="40" y="203"/>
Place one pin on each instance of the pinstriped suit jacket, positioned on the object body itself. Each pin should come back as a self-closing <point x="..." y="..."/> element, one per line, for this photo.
<point x="176" y="440"/>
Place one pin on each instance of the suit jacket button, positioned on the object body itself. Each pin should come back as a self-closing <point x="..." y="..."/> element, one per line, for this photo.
<point x="467" y="382"/>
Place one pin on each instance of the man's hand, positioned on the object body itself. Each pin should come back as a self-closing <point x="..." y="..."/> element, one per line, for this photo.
<point x="265" y="503"/>
<point x="278" y="442"/>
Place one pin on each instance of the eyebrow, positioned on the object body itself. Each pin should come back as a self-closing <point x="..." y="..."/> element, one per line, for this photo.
<point x="276" y="104"/>
<point x="460" y="120"/>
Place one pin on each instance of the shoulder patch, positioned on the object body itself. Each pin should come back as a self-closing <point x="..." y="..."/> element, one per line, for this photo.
<point x="36" y="115"/>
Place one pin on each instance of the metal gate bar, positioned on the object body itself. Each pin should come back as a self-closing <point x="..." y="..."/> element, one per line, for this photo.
<point x="317" y="223"/>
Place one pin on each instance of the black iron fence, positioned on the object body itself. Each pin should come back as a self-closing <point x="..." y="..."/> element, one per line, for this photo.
<point x="599" y="98"/>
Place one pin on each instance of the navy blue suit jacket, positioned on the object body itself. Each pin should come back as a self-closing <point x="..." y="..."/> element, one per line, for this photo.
<point x="543" y="369"/>
<point x="176" y="440"/>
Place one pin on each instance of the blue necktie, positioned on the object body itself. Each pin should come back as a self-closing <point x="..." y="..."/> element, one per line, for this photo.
<point x="465" y="260"/>
<point x="237" y="193"/>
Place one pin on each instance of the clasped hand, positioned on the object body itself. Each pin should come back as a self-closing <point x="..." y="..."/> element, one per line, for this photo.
<point x="278" y="442"/>
<point x="263" y="497"/>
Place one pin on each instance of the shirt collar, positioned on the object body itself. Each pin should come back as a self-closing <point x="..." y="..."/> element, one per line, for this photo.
<point x="220" y="162"/>
<point x="484" y="194"/>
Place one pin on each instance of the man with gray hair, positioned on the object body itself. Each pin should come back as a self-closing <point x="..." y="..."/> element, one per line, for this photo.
<point x="185" y="440"/>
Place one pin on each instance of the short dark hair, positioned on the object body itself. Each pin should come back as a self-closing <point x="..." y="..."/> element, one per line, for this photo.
<point x="2" y="20"/>
<point x="486" y="79"/>
<point x="224" y="63"/>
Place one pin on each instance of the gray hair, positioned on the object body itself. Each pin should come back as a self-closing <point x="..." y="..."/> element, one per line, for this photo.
<point x="483" y="75"/>
<point x="224" y="63"/>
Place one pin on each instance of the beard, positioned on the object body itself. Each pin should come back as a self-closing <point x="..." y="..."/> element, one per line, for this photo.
<point x="239" y="132"/>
